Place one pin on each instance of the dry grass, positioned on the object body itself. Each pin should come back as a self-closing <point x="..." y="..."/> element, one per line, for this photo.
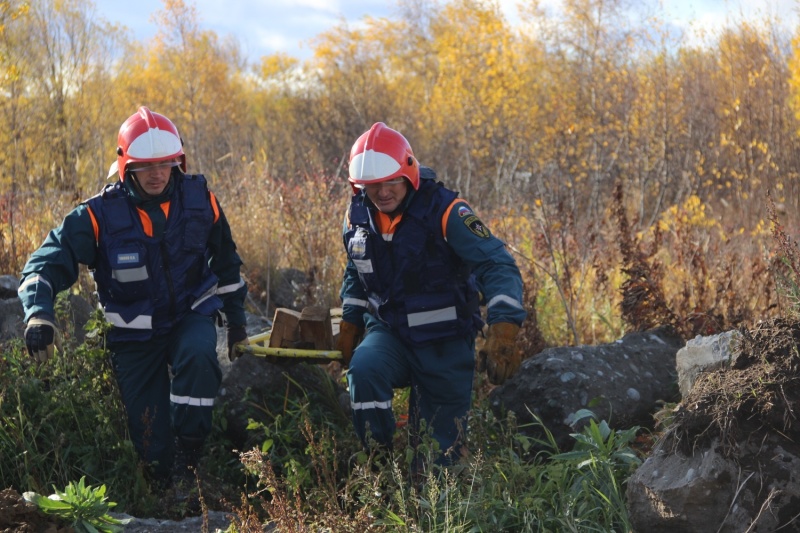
<point x="586" y="281"/>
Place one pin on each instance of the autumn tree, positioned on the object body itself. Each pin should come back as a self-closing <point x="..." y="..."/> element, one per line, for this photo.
<point x="751" y="81"/>
<point x="62" y="54"/>
<point x="353" y="85"/>
<point x="14" y="114"/>
<point x="190" y="76"/>
<point x="480" y="103"/>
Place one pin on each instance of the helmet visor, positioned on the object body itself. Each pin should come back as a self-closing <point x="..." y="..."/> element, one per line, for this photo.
<point x="152" y="165"/>
<point x="393" y="181"/>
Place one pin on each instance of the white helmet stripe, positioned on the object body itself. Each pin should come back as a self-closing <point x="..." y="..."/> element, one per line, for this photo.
<point x="154" y="144"/>
<point x="371" y="165"/>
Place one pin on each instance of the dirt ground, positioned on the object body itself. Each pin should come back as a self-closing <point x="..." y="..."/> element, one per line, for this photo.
<point x="19" y="516"/>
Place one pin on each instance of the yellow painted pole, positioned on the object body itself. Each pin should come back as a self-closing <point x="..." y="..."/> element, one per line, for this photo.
<point x="296" y="353"/>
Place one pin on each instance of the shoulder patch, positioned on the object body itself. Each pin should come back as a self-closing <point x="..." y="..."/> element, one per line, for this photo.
<point x="476" y="226"/>
<point x="464" y="211"/>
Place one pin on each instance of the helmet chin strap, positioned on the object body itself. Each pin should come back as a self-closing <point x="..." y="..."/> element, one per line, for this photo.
<point x="140" y="190"/>
<point x="137" y="187"/>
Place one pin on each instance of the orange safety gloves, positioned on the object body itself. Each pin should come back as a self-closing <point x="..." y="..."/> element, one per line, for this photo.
<point x="498" y="356"/>
<point x="349" y="336"/>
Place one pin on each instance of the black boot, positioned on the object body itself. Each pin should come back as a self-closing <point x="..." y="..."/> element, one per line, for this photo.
<point x="184" y="471"/>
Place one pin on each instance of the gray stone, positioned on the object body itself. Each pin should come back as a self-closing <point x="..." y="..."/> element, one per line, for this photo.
<point x="256" y="381"/>
<point x="703" y="354"/>
<point x="637" y="372"/>
<point x="11" y="324"/>
<point x="758" y="491"/>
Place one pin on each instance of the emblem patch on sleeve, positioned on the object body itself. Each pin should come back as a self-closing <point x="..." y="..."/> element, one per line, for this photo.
<point x="476" y="226"/>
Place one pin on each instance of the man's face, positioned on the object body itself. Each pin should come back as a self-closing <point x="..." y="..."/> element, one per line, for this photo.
<point x="388" y="195"/>
<point x="153" y="177"/>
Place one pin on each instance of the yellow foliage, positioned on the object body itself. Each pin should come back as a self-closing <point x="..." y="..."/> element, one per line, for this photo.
<point x="553" y="112"/>
<point x="691" y="216"/>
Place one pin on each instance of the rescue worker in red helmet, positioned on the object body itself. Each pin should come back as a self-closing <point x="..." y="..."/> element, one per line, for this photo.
<point x="420" y="264"/>
<point x="165" y="265"/>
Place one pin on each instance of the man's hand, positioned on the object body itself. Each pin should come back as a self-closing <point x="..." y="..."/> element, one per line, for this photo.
<point x="349" y="335"/>
<point x="236" y="335"/>
<point x="40" y="335"/>
<point x="498" y="355"/>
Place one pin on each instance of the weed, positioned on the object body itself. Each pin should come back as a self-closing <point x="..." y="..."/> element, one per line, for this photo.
<point x="63" y="420"/>
<point x="83" y="507"/>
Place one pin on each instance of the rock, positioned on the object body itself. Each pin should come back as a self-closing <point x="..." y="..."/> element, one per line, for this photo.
<point x="76" y="314"/>
<point x="213" y="522"/>
<point x="291" y="288"/>
<point x="703" y="354"/>
<point x="757" y="491"/>
<point x="255" y="386"/>
<point x="255" y="325"/>
<point x="73" y="315"/>
<point x="8" y="287"/>
<point x="620" y="382"/>
<point x="11" y="324"/>
<point x="730" y="459"/>
<point x="705" y="479"/>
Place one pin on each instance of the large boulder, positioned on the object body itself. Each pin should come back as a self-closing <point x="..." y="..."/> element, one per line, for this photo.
<point x="621" y="382"/>
<point x="730" y="458"/>
<point x="708" y="489"/>
<point x="257" y="389"/>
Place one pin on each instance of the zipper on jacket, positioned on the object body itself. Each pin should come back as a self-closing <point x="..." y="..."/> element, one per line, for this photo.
<point x="168" y="274"/>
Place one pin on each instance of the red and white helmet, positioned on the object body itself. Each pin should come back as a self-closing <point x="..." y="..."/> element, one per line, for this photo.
<point x="381" y="154"/>
<point x="148" y="137"/>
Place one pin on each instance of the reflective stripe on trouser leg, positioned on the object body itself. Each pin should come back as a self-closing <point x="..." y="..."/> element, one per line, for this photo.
<point x="143" y="378"/>
<point x="379" y="364"/>
<point x="196" y="375"/>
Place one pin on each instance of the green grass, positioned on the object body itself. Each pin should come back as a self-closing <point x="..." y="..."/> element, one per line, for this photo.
<point x="62" y="421"/>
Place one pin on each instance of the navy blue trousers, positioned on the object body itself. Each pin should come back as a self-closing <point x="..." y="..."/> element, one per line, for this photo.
<point x="160" y="408"/>
<point x="440" y="378"/>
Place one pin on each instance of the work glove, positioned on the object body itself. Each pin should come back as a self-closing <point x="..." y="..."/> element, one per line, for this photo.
<point x="498" y="356"/>
<point x="40" y="336"/>
<point x="349" y="335"/>
<point x="236" y="335"/>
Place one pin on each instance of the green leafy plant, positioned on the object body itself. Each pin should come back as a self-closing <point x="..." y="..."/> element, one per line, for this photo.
<point x="84" y="507"/>
<point x="64" y="419"/>
<point x="599" y="463"/>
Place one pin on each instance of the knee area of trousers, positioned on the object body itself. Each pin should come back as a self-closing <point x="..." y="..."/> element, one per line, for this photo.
<point x="365" y="367"/>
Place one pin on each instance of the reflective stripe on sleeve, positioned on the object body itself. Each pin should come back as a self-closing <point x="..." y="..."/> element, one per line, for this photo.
<point x="354" y="301"/>
<point x="34" y="279"/>
<point x="504" y="299"/>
